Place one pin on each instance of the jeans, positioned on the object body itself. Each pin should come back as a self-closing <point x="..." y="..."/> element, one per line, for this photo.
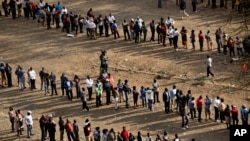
<point x="167" y="106"/>
<point x="184" y="121"/>
<point x="42" y="133"/>
<point x="193" y="113"/>
<point x="199" y="113"/>
<point x="126" y="98"/>
<point x="193" y="45"/>
<point x="218" y="41"/>
<point x="216" y="113"/>
<point x="29" y="130"/>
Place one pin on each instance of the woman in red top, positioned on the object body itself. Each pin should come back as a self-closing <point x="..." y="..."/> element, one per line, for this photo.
<point x="234" y="113"/>
<point x="199" y="103"/>
<point x="201" y="40"/>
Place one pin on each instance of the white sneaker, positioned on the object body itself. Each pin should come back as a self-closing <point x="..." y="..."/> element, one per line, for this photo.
<point x="183" y="128"/>
<point x="186" y="127"/>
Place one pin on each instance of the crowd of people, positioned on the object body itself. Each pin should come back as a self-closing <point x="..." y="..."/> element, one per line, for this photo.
<point x="174" y="99"/>
<point x="134" y="29"/>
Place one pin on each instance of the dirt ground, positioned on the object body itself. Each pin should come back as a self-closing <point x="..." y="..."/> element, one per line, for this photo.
<point x="26" y="43"/>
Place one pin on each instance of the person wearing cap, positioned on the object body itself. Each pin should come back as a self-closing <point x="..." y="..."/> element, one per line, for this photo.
<point x="29" y="123"/>
<point x="234" y="113"/>
<point x="244" y="114"/>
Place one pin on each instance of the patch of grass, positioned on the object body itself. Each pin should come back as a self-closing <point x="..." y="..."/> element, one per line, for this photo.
<point x="164" y="75"/>
<point x="197" y="83"/>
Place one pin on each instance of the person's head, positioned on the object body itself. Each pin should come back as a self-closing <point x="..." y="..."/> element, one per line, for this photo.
<point x="192" y="98"/>
<point x="221" y="100"/>
<point x="142" y="87"/>
<point x="227" y="106"/>
<point x="123" y="128"/>
<point x="88" y="77"/>
<point x="207" y="96"/>
<point x="126" y="81"/>
<point x="148" y="134"/>
<point x="218" y="97"/>
<point x="200" y="32"/>
<point x="200" y="97"/>
<point x="189" y="91"/>
<point x="166" y="89"/>
<point x="74" y="121"/>
<point x="165" y="132"/>
<point x="124" y="21"/>
<point x="192" y="31"/>
<point x="29" y="113"/>
<point x="208" y="31"/>
<point x="193" y="139"/>
<point x="154" y="80"/>
<point x="176" y="136"/>
<point x="60" y="117"/>
<point x="139" y="133"/>
<point x="10" y="108"/>
<point x="174" y="87"/>
<point x="208" y="56"/>
<point x="83" y="89"/>
<point x="134" y="87"/>
<point x="158" y="136"/>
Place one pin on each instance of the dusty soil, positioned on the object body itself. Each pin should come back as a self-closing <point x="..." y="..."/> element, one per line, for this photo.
<point x="26" y="43"/>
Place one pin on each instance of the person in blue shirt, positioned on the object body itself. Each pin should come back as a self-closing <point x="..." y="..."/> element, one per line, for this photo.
<point x="244" y="114"/>
<point x="68" y="84"/>
<point x="143" y="96"/>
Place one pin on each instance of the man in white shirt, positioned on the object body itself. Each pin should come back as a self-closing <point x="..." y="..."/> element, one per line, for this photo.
<point x="173" y="98"/>
<point x="29" y="123"/>
<point x="41" y="4"/>
<point x="89" y="83"/>
<point x="216" y="110"/>
<point x="209" y="65"/>
<point x="169" y="22"/>
<point x="111" y="19"/>
<point x="156" y="85"/>
<point x="32" y="74"/>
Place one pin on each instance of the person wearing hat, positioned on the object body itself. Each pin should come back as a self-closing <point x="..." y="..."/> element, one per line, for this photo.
<point x="244" y="114"/>
<point x="29" y="123"/>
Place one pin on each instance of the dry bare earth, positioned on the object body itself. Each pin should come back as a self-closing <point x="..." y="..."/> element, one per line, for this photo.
<point x="26" y="43"/>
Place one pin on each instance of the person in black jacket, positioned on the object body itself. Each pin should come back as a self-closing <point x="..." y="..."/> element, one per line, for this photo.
<point x="137" y="32"/>
<point x="158" y="30"/>
<point x="8" y="71"/>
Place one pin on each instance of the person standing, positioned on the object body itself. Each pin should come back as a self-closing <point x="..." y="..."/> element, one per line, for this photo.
<point x="68" y="86"/>
<point x="192" y="39"/>
<point x="98" y="90"/>
<point x="111" y="19"/>
<point x="208" y="102"/>
<point x="166" y="100"/>
<point x="76" y="130"/>
<point x="106" y="26"/>
<point x="209" y="65"/>
<point x="29" y="123"/>
<point x="194" y="3"/>
<point x="8" y="71"/>
<point x="87" y="130"/>
<point x="32" y="75"/>
<point x="120" y="90"/>
<point x="238" y="44"/>
<point x="234" y="113"/>
<point x="52" y="78"/>
<point x="84" y="100"/>
<point x="173" y="98"/>
<point x="116" y="98"/>
<point x="126" y="90"/>
<point x="143" y="96"/>
<point x="42" y="122"/>
<point x="156" y="86"/>
<point x="21" y="78"/>
<point x="152" y="29"/>
<point x="61" y="128"/>
<point x="191" y="107"/>
<point x="51" y="129"/>
<point x="163" y="33"/>
<point x="201" y="40"/>
<point x="77" y="85"/>
<point x="221" y="109"/>
<point x="150" y="98"/>
<point x="183" y="114"/>
<point x="63" y="80"/>
<point x="125" y="30"/>
<point x="89" y="83"/>
<point x="218" y="40"/>
<point x="135" y="96"/>
<point x="216" y="106"/>
<point x="244" y="114"/>
<point x="42" y="75"/>
<point x="199" y="103"/>
<point x="175" y="39"/>
<point x="124" y="134"/>
<point x="209" y="41"/>
<point x="159" y="3"/>
<point x="228" y="116"/>
<point x="170" y="34"/>
<point x="12" y="115"/>
<point x="69" y="130"/>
